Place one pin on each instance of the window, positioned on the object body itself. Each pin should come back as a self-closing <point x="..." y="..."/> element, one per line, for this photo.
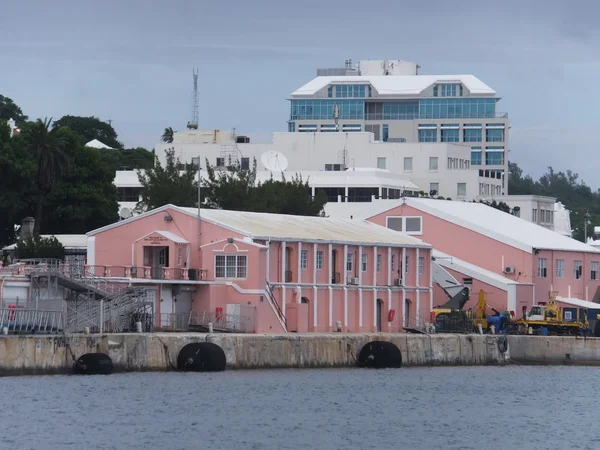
<point x="471" y="134"/>
<point x="577" y="269"/>
<point x="402" y="110"/>
<point x="494" y="156"/>
<point x="323" y="109"/>
<point x="347" y="90"/>
<point x="542" y="268"/>
<point x="220" y="162"/>
<point x="307" y="128"/>
<point x="230" y="266"/>
<point x="434" y="188"/>
<point x="461" y="189"/>
<point x="291" y="127"/>
<point x="456" y="108"/>
<point x="433" y="163"/>
<point x="568" y="315"/>
<point x="245" y="165"/>
<point x="494" y="135"/>
<point x="436" y="90"/>
<point x="409" y="225"/>
<point x="560" y="268"/>
<point x="386" y="132"/>
<point x="450" y="134"/>
<point x="534" y="215"/>
<point x="179" y="256"/>
<point x="475" y="156"/>
<point x="406" y="265"/>
<point x="408" y="166"/>
<point x="421" y="265"/>
<point x="349" y="260"/>
<point x="128" y="194"/>
<point x="379" y="262"/>
<point x="428" y="135"/>
<point x="381" y="162"/>
<point x="304" y="259"/>
<point x="363" y="262"/>
<point x="448" y="90"/>
<point x="319" y="260"/>
<point x="393" y="262"/>
<point x="594" y="271"/>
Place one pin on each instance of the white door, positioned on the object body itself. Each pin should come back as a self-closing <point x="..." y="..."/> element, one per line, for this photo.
<point x="166" y="304"/>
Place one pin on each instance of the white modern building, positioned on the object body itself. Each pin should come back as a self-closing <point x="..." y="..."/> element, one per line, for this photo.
<point x="390" y="99"/>
<point x="13" y="127"/>
<point x="441" y="167"/>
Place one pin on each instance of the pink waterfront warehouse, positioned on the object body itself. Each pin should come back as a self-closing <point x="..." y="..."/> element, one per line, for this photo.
<point x="293" y="273"/>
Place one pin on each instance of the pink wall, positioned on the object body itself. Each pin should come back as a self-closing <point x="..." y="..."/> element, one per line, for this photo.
<point x="495" y="297"/>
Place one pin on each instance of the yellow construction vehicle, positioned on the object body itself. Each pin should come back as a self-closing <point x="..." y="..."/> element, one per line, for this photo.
<point x="542" y="319"/>
<point x="480" y="316"/>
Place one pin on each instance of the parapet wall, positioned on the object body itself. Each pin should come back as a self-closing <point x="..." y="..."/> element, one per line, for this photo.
<point x="158" y="352"/>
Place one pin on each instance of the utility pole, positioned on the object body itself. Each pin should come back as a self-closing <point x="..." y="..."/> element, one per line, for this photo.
<point x="586" y="216"/>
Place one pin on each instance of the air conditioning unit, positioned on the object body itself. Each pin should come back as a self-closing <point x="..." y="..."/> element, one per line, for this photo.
<point x="509" y="269"/>
<point x="398" y="282"/>
<point x="353" y="280"/>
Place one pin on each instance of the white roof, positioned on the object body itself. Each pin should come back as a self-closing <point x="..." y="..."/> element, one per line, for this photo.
<point x="95" y="143"/>
<point x="397" y="85"/>
<point x="69" y="241"/>
<point x="479" y="273"/>
<point x="578" y="302"/>
<point x="361" y="211"/>
<point x="282" y="227"/>
<point x="499" y="225"/>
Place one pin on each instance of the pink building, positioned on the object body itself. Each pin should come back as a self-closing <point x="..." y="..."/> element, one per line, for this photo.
<point x="482" y="243"/>
<point x="293" y="273"/>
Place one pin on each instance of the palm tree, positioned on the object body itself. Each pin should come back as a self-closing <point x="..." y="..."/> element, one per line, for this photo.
<point x="168" y="135"/>
<point x="46" y="145"/>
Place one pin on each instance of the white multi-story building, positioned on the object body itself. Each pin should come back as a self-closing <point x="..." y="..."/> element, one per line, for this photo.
<point x="441" y="167"/>
<point x="393" y="101"/>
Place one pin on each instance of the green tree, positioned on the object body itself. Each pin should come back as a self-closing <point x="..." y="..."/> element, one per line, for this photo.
<point x="168" y="135"/>
<point x="46" y="145"/>
<point x="128" y="158"/>
<point x="40" y="247"/>
<point x="164" y="185"/>
<point x="90" y="128"/>
<point x="9" y="110"/>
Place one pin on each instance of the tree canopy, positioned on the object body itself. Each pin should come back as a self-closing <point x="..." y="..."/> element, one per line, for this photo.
<point x="128" y="158"/>
<point x="9" y="110"/>
<point x="40" y="247"/>
<point x="567" y="188"/>
<point x="90" y="128"/>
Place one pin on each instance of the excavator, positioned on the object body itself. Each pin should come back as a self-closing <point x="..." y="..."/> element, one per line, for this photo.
<point x="481" y="317"/>
<point x="450" y="317"/>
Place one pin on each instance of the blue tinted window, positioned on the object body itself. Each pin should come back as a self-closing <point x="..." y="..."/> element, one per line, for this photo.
<point x="449" y="134"/>
<point x="428" y="135"/>
<point x="386" y="132"/>
<point x="457" y="108"/>
<point x="400" y="110"/>
<point x="323" y="109"/>
<point x="349" y="90"/>
<point x="494" y="135"/>
<point x="494" y="156"/>
<point x="291" y="127"/>
<point x="475" y="156"/>
<point x="448" y="90"/>
<point x="472" y="135"/>
<point x="435" y="90"/>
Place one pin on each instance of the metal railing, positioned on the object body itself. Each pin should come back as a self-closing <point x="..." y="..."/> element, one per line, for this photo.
<point x="174" y="321"/>
<point x="31" y="320"/>
<point x="232" y="323"/>
<point x="276" y="306"/>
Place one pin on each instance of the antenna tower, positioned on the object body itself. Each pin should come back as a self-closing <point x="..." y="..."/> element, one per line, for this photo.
<point x="193" y="124"/>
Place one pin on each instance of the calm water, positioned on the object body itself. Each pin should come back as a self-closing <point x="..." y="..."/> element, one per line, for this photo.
<point x="432" y="408"/>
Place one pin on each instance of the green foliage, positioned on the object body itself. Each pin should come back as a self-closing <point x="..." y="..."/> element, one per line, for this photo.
<point x="90" y="128"/>
<point x="567" y="188"/>
<point x="236" y="189"/>
<point x="128" y="158"/>
<point x="164" y="185"/>
<point x="9" y="110"/>
<point x="502" y="206"/>
<point x="168" y="135"/>
<point x="40" y="247"/>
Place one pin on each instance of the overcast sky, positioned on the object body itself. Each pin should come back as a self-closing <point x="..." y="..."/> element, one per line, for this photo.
<point x="131" y="62"/>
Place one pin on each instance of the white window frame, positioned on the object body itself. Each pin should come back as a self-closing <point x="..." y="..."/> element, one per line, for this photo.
<point x="304" y="259"/>
<point x="408" y="159"/>
<point x="179" y="256"/>
<point x="559" y="270"/>
<point x="577" y="267"/>
<point x="349" y="262"/>
<point x="379" y="259"/>
<point x="568" y="315"/>
<point x="421" y="265"/>
<point x="437" y="163"/>
<point x="436" y="190"/>
<point x="393" y="262"/>
<point x="364" y="262"/>
<point x="381" y="162"/>
<point x="594" y="270"/>
<point x="413" y="233"/>
<point x="542" y="268"/>
<point x="458" y="185"/>
<point x="320" y="255"/>
<point x="236" y="267"/>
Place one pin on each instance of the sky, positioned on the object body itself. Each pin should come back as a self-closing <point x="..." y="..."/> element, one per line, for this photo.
<point x="131" y="62"/>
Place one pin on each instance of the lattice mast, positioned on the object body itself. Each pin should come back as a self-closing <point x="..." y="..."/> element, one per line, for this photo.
<point x="193" y="124"/>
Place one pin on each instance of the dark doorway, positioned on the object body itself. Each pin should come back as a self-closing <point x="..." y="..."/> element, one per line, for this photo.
<point x="379" y="312"/>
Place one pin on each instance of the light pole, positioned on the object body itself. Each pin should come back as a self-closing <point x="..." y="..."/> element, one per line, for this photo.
<point x="586" y="216"/>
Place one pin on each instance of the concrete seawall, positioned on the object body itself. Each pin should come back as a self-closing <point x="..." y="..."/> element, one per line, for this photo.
<point x="552" y="350"/>
<point x="20" y="355"/>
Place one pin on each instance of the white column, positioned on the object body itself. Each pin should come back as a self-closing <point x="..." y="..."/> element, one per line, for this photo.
<point x="345" y="306"/>
<point x="389" y="266"/>
<point x="283" y="299"/>
<point x="403" y="303"/>
<point x="315" y="249"/>
<point x="345" y="268"/>
<point x="417" y="266"/>
<point x="428" y="262"/>
<point x="330" y="263"/>
<point x="375" y="266"/>
<point x="418" y="313"/>
<point x="375" y="307"/>
<point x="389" y="303"/>
<point x="330" y="306"/>
<point x="283" y="262"/>
<point x="360" y="307"/>
<point x="268" y="275"/>
<point x="299" y="262"/>
<point x="315" y="305"/>
<point x="360" y="253"/>
<point x="403" y="267"/>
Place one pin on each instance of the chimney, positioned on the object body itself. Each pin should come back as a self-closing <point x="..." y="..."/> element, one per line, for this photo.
<point x="26" y="230"/>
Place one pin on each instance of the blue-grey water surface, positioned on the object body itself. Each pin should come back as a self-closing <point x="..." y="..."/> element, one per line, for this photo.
<point x="426" y="408"/>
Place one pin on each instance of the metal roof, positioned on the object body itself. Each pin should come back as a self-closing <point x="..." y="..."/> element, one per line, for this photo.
<point x="396" y="85"/>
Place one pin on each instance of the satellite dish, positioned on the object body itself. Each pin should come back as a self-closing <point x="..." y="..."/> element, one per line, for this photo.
<point x="125" y="213"/>
<point x="274" y="161"/>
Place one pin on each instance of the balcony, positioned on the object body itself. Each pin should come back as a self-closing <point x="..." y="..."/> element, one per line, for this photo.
<point x="145" y="272"/>
<point x="454" y="115"/>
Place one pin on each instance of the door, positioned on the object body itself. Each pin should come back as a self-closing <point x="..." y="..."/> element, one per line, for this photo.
<point x="379" y="308"/>
<point x="407" y="313"/>
<point x="160" y="259"/>
<point x="166" y="304"/>
<point x="333" y="266"/>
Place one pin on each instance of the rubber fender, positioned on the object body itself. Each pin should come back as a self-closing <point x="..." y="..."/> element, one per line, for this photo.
<point x="597" y="329"/>
<point x="93" y="364"/>
<point x="502" y="344"/>
<point x="380" y="355"/>
<point x="201" y="357"/>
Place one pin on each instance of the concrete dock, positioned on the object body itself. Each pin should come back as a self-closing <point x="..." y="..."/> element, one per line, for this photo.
<point x="21" y="355"/>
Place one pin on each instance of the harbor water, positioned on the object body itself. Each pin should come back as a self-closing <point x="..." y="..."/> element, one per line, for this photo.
<point x="510" y="407"/>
